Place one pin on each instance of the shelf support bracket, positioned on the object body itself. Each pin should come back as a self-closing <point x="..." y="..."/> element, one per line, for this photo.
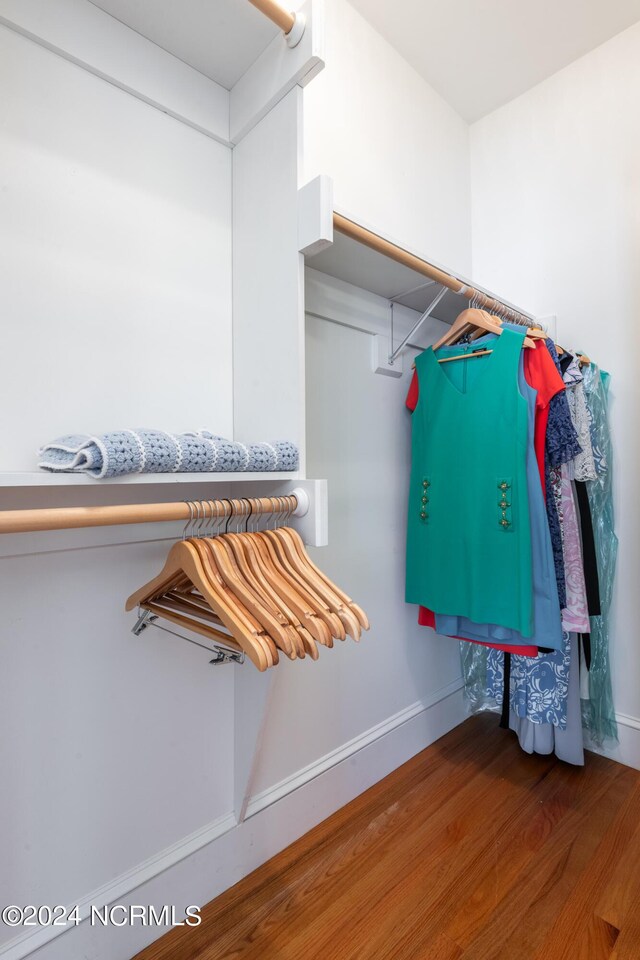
<point x="414" y="329"/>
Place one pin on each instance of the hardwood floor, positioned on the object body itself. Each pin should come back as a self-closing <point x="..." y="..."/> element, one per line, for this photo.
<point x="470" y="851"/>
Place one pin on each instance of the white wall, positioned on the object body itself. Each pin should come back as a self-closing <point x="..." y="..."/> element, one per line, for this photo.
<point x="397" y="152"/>
<point x="556" y="227"/>
<point x="115" y="260"/>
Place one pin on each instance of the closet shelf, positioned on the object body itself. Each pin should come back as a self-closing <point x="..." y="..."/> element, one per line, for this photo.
<point x="38" y="478"/>
<point x="354" y="262"/>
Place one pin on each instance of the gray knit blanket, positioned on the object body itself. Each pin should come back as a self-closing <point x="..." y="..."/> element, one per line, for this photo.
<point x="122" y="452"/>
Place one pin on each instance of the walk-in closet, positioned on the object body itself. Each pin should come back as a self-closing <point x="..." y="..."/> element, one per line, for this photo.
<point x="318" y="537"/>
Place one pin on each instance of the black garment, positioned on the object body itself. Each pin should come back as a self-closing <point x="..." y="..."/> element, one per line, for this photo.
<point x="589" y="560"/>
<point x="506" y="693"/>
<point x="565" y="361"/>
<point x="585" y="639"/>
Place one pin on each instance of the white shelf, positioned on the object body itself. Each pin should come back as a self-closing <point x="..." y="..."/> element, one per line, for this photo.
<point x="40" y="478"/>
<point x="353" y="262"/>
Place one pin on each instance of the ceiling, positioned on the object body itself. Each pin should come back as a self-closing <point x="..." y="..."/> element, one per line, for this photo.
<point x="200" y="32"/>
<point x="479" y="54"/>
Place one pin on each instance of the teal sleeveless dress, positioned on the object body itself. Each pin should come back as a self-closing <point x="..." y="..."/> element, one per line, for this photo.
<point x="468" y="532"/>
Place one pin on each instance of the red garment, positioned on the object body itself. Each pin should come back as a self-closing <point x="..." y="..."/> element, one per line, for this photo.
<point x="412" y="396"/>
<point x="542" y="374"/>
<point x="427" y="618"/>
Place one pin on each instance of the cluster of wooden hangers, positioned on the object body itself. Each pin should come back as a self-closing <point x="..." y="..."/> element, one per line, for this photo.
<point x="261" y="586"/>
<point x="474" y="322"/>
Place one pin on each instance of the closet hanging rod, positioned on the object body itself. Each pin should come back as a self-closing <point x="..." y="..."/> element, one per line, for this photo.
<point x="66" y="518"/>
<point x="292" y="24"/>
<point x="375" y="242"/>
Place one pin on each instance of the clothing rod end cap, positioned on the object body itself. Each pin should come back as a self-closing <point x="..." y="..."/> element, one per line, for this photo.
<point x="303" y="502"/>
<point x="294" y="36"/>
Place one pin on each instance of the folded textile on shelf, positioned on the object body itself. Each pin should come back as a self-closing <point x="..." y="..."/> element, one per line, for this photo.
<point x="122" y="452"/>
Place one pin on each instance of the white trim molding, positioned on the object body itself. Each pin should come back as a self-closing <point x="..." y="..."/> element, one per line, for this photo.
<point x="272" y="794"/>
<point x="627" y="750"/>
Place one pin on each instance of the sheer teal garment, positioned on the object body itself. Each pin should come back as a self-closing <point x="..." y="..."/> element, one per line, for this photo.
<point x="598" y="715"/>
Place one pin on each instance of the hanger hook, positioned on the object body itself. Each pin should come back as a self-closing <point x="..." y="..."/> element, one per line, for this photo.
<point x="239" y="512"/>
<point x="249" y="511"/>
<point x="188" y="523"/>
<point x="212" y="515"/>
<point x="198" y="521"/>
<point x="257" y="507"/>
<point x="201" y="519"/>
<point x="238" y="508"/>
<point x="224" y="526"/>
<point x="290" y="511"/>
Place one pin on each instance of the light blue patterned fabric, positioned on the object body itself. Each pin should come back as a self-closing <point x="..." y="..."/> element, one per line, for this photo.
<point x="123" y="452"/>
<point x="538" y="686"/>
<point x="546" y="738"/>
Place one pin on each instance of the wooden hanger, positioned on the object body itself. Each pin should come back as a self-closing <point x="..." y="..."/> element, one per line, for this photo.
<point x="283" y="583"/>
<point x="243" y="589"/>
<point x="260" y="587"/>
<point x="307" y="590"/>
<point x="342" y="596"/>
<point x="250" y="560"/>
<point x="232" y="542"/>
<point x="297" y="560"/>
<point x="312" y="597"/>
<point x="472" y="317"/>
<point x="213" y="569"/>
<point x="254" y="561"/>
<point x="184" y="560"/>
<point x="234" y="603"/>
<point x="466" y="321"/>
<point x="262" y="562"/>
<point x="277" y="630"/>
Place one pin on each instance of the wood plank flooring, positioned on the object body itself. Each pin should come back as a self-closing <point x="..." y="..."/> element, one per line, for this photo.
<point x="470" y="851"/>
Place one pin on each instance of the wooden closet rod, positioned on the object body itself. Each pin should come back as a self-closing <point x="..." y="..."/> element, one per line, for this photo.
<point x="66" y="518"/>
<point x="281" y="17"/>
<point x="353" y="230"/>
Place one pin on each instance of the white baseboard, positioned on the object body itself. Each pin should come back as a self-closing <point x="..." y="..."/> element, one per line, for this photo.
<point x="272" y="794"/>
<point x="199" y="867"/>
<point x="627" y="751"/>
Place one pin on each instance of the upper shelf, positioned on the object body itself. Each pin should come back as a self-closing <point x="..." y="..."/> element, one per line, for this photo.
<point x="348" y="260"/>
<point x="340" y="246"/>
<point x="221" y="40"/>
<point x="41" y="478"/>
